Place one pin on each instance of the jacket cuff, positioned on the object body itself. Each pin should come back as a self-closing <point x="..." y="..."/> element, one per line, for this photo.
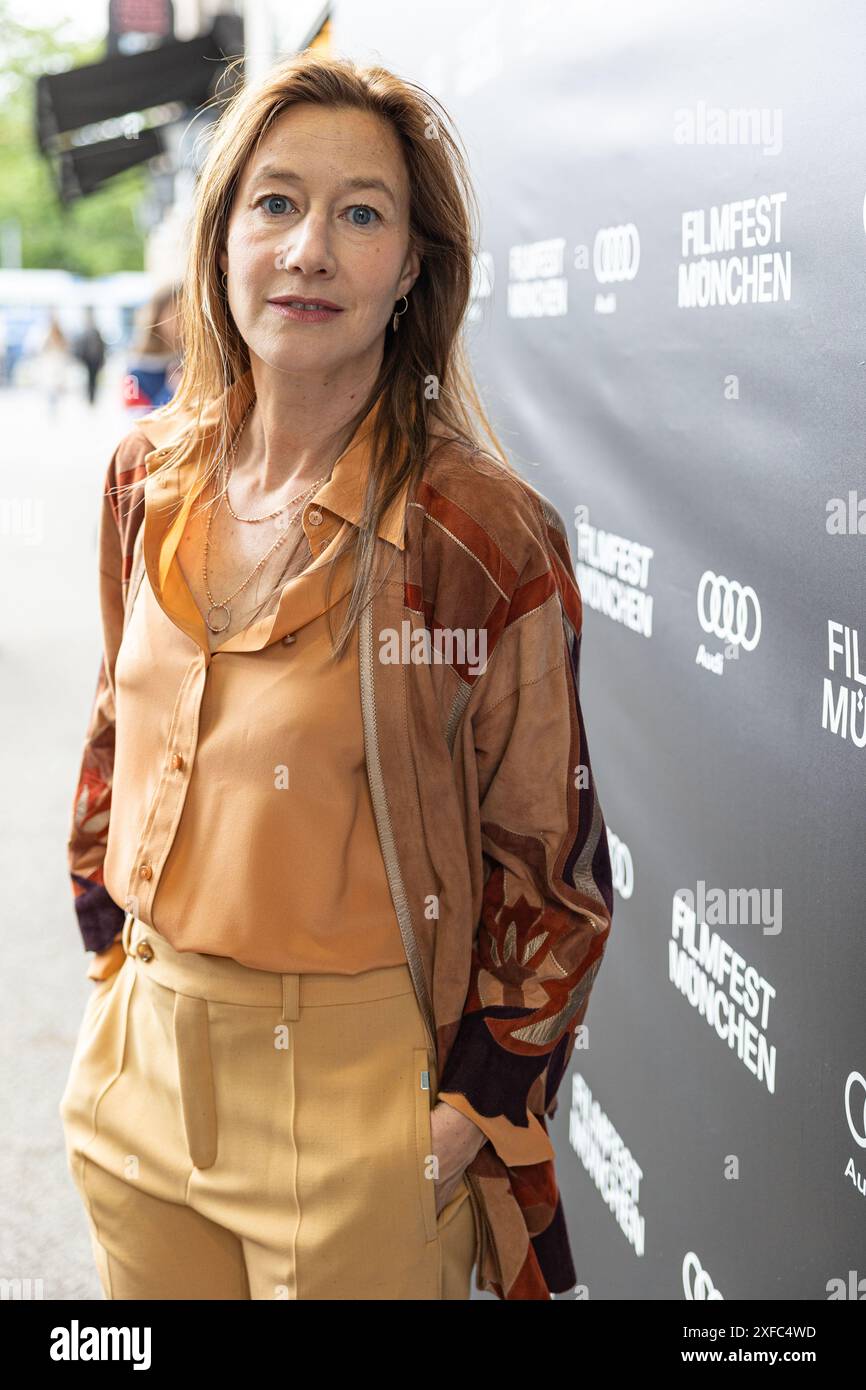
<point x="99" y="918"/>
<point x="491" y="1085"/>
<point x="513" y="1144"/>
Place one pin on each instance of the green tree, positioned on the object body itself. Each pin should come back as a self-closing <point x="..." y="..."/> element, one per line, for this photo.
<point x="95" y="235"/>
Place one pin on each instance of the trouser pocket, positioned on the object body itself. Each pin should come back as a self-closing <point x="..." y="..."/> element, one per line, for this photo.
<point x="195" y="1074"/>
<point x="98" y="1057"/>
<point x="422" y="1081"/>
<point x="98" y="988"/>
<point x="452" y="1207"/>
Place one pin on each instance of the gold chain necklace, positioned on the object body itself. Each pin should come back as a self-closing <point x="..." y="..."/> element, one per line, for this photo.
<point x="223" y="607"/>
<point x="270" y="515"/>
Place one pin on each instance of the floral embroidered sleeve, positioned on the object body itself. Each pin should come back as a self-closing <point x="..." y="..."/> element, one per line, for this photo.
<point x="547" y="900"/>
<point x="99" y="917"/>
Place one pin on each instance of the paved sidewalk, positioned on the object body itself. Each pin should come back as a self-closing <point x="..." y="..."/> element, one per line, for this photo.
<point x="51" y="475"/>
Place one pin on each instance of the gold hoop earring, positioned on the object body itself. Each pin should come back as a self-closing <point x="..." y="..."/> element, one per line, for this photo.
<point x="224" y="277"/>
<point x="394" y="322"/>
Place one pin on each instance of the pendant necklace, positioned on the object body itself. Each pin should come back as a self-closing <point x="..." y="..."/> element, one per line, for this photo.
<point x="218" y="623"/>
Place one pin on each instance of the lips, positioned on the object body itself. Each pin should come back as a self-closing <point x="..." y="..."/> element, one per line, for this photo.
<point x="306" y="301"/>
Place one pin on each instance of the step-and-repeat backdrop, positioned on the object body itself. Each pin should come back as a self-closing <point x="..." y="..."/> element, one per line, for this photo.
<point x="669" y="329"/>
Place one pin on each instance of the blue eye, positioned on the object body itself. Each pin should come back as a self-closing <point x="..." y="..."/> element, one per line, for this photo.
<point x="271" y="197"/>
<point x="362" y="207"/>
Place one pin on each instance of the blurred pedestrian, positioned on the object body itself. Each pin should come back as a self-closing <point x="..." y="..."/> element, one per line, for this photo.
<point x="154" y="364"/>
<point x="90" y="350"/>
<point x="52" y="364"/>
<point x="4" y="351"/>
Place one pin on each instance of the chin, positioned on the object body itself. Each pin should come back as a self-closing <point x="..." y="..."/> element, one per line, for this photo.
<point x="286" y="355"/>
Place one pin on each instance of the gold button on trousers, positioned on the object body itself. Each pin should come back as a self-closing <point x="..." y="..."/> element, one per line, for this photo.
<point x="238" y="1133"/>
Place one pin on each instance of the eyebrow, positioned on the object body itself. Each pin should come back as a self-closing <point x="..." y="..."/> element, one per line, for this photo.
<point x="354" y="185"/>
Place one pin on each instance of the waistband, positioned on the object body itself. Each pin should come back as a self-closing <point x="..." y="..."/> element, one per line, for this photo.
<point x="225" y="980"/>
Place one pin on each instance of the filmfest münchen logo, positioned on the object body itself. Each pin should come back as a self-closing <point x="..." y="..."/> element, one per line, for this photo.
<point x="843" y="711"/>
<point x="609" y="1162"/>
<point x="732" y="997"/>
<point x="732" y="254"/>
<point x="537" y="285"/>
<point x="613" y="572"/>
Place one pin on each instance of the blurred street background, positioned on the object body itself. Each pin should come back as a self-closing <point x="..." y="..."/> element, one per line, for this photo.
<point x="49" y="653"/>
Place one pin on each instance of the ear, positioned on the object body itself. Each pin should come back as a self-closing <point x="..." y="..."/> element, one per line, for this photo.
<point x="411" y="271"/>
<point x="223" y="261"/>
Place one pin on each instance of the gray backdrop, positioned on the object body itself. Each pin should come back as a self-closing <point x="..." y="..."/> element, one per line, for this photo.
<point x="669" y="334"/>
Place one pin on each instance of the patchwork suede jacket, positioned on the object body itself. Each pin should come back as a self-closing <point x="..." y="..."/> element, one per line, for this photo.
<point x="486" y="807"/>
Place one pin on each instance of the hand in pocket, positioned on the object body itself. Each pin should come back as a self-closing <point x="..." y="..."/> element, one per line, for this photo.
<point x="456" y="1141"/>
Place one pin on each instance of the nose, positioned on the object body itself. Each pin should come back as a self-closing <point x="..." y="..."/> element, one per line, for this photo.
<point x="307" y="250"/>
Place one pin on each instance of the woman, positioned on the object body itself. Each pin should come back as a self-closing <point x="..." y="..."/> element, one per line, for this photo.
<point x="336" y="769"/>
<point x="53" y="363"/>
<point x="154" y="364"/>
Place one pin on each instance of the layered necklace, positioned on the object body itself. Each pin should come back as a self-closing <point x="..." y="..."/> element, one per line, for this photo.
<point x="219" y="615"/>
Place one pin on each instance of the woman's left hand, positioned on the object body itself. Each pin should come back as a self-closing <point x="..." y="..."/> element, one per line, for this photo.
<point x="456" y="1141"/>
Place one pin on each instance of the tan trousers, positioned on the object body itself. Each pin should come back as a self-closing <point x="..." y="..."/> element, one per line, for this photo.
<point x="238" y="1133"/>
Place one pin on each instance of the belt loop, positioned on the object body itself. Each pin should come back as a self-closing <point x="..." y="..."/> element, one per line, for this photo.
<point x="126" y="931"/>
<point x="291" y="996"/>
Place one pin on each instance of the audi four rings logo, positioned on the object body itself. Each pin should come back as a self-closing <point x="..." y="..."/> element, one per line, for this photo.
<point x="697" y="1284"/>
<point x="729" y="610"/>
<point x="621" y="865"/>
<point x="616" y="253"/>
<point x="857" y="1134"/>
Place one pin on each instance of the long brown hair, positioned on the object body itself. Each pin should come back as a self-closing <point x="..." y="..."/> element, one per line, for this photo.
<point x="424" y="375"/>
<point x="153" y="316"/>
